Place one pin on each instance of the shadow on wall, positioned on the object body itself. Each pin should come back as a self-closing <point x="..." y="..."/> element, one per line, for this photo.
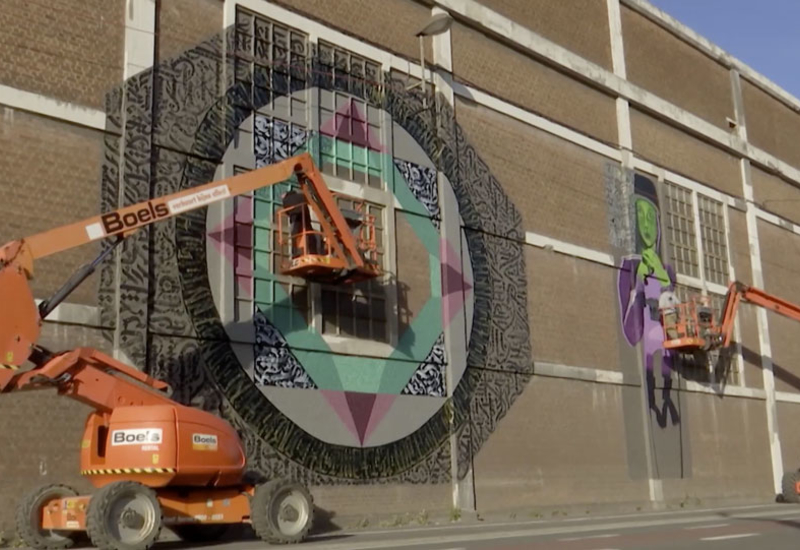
<point x="694" y="368"/>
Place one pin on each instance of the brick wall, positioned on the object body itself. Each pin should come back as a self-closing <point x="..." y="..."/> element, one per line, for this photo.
<point x="669" y="147"/>
<point x="556" y="21"/>
<point x="780" y="262"/>
<point x="660" y="62"/>
<point x="42" y="431"/>
<point x="776" y="195"/>
<point x="413" y="272"/>
<point x="51" y="177"/>
<point x="393" y="26"/>
<point x="571" y="300"/>
<point x="538" y="454"/>
<point x="70" y="50"/>
<point x="556" y="186"/>
<point x="186" y="23"/>
<point x="771" y="125"/>
<point x="788" y="419"/>
<point x="519" y="79"/>
<point x="730" y="457"/>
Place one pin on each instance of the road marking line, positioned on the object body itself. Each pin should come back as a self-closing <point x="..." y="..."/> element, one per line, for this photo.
<point x="495" y="535"/>
<point x="668" y="513"/>
<point x="707" y="526"/>
<point x="588" y="537"/>
<point x="726" y="537"/>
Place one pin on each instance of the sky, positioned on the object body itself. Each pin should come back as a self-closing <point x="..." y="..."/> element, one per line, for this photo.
<point x="764" y="34"/>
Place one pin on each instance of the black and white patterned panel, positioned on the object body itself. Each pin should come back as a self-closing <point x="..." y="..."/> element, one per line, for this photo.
<point x="428" y="379"/>
<point x="276" y="140"/>
<point x="422" y="182"/>
<point x="275" y="365"/>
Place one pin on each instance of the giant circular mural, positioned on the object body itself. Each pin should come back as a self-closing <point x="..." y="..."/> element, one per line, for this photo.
<point x="360" y="399"/>
<point x="338" y="416"/>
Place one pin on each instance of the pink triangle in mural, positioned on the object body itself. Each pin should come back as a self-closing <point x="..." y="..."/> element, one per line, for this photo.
<point x="455" y="287"/>
<point x="383" y="402"/>
<point x="350" y="124"/>
<point x="360" y="405"/>
<point x="222" y="238"/>
<point x="339" y="403"/>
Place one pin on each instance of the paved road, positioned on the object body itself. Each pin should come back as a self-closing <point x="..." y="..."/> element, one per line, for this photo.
<point x="773" y="526"/>
<point x="741" y="528"/>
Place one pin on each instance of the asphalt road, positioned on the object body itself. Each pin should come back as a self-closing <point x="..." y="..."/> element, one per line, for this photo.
<point x="773" y="526"/>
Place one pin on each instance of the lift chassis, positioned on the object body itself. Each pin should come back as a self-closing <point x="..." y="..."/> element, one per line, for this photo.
<point x="155" y="462"/>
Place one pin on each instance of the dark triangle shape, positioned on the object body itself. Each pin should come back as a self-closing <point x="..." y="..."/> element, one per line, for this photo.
<point x="360" y="405"/>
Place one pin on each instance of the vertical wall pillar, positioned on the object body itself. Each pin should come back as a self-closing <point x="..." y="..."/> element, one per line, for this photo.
<point x="463" y="490"/>
<point x="758" y="281"/>
<point x="140" y="17"/>
<point x="625" y="137"/>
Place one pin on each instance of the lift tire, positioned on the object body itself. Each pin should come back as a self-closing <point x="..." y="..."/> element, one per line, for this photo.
<point x="788" y="487"/>
<point x="27" y="519"/>
<point x="202" y="532"/>
<point x="271" y="501"/>
<point x="124" y="515"/>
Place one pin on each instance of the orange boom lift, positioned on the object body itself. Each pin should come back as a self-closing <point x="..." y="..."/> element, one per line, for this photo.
<point x="690" y="327"/>
<point x="153" y="461"/>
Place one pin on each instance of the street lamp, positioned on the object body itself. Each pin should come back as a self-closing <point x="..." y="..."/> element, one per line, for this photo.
<point x="438" y="24"/>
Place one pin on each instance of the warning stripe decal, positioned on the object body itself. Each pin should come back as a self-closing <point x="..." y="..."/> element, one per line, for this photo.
<point x="119" y="471"/>
<point x="9" y="367"/>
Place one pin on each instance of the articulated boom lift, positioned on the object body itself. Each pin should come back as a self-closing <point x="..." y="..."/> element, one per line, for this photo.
<point x="153" y="461"/>
<point x="690" y="327"/>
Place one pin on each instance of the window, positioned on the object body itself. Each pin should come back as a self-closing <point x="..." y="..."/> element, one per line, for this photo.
<point x="358" y="310"/>
<point x="714" y="240"/>
<point x="680" y="230"/>
<point x="345" y="71"/>
<point x="272" y="61"/>
<point x="701" y="260"/>
<point x="286" y="82"/>
<point x="350" y="121"/>
<point x="350" y="139"/>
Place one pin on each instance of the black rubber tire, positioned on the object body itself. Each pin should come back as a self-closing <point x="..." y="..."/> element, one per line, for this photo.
<point x="101" y="504"/>
<point x="788" y="482"/>
<point x="208" y="532"/>
<point x="28" y="523"/>
<point x="264" y="524"/>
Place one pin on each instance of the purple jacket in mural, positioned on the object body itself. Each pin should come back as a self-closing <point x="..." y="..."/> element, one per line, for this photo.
<point x="638" y="303"/>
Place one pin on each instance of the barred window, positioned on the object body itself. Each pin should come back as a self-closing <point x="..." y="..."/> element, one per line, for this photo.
<point x="348" y="72"/>
<point x="681" y="230"/>
<point x="271" y="60"/>
<point x="286" y="78"/>
<point x="714" y="239"/>
<point x="358" y="310"/>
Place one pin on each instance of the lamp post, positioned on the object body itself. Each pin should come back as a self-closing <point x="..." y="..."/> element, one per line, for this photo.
<point x="438" y="24"/>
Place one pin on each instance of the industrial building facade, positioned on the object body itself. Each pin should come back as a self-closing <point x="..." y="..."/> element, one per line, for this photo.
<point x="560" y="166"/>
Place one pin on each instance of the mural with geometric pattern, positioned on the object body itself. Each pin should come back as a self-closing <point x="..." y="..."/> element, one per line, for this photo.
<point x="201" y="302"/>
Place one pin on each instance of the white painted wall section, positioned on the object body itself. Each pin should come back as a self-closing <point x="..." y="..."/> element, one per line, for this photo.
<point x="140" y="23"/>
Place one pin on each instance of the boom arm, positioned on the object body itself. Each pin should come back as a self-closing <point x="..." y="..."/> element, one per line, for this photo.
<point x="690" y="326"/>
<point x="21" y="321"/>
<point x="738" y="292"/>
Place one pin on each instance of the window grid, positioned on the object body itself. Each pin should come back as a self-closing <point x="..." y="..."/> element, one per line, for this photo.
<point x="714" y="241"/>
<point x="359" y="310"/>
<point x="350" y="118"/>
<point x="681" y="230"/>
<point x="271" y="60"/>
<point x="349" y="72"/>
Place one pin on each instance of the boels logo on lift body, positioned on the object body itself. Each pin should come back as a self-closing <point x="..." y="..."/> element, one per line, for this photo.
<point x="143" y="436"/>
<point x="113" y="222"/>
<point x="204" y="442"/>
